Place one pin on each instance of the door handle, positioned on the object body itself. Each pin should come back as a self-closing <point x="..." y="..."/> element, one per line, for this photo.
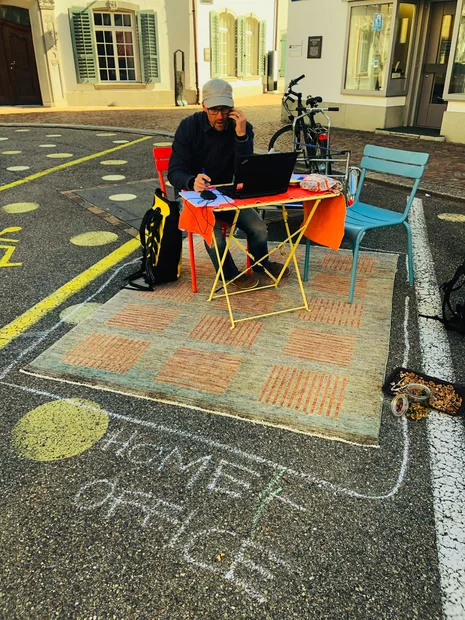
<point x="12" y="64"/>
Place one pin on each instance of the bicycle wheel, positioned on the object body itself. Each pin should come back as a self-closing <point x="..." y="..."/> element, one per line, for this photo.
<point x="284" y="141"/>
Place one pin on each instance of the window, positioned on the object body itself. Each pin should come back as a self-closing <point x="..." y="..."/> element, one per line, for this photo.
<point x="251" y="46"/>
<point x="457" y="80"/>
<point x="226" y="57"/>
<point x="369" y="32"/>
<point x="108" y="47"/>
<point x="243" y="54"/>
<point x="402" y="41"/>
<point x="114" y="35"/>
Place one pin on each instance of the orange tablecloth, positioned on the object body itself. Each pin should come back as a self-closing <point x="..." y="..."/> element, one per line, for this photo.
<point x="326" y="226"/>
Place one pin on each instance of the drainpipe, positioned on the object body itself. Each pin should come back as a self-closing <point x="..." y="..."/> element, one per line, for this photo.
<point x="276" y="4"/>
<point x="196" y="59"/>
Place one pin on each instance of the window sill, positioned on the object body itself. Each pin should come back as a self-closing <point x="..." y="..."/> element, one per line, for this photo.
<point x="454" y="97"/>
<point x="120" y="86"/>
<point x="364" y="93"/>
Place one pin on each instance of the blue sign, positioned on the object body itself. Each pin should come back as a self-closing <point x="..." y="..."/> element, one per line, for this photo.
<point x="377" y="22"/>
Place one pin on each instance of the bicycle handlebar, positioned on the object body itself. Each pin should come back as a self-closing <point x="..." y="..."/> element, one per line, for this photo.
<point x="317" y="110"/>
<point x="294" y="82"/>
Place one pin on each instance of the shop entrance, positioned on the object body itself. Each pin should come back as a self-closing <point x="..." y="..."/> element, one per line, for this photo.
<point x="431" y="105"/>
<point x="19" y="82"/>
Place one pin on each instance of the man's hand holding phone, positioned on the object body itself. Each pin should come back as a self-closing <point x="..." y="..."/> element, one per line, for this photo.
<point x="238" y="117"/>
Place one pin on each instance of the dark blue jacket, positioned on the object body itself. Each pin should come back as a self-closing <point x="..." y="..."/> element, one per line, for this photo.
<point x="197" y="146"/>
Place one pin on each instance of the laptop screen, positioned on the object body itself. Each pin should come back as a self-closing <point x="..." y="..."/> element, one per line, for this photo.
<point x="263" y="175"/>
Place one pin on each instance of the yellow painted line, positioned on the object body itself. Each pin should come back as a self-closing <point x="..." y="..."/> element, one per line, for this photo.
<point x="37" y="312"/>
<point x="68" y="164"/>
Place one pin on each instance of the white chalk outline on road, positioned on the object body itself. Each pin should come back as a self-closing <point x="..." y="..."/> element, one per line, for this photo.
<point x="445" y="433"/>
<point x="199" y="438"/>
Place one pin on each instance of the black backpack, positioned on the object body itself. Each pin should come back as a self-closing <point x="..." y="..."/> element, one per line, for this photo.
<point x="453" y="312"/>
<point x="161" y="242"/>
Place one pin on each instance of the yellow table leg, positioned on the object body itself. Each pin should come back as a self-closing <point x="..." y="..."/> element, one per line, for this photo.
<point x="293" y="239"/>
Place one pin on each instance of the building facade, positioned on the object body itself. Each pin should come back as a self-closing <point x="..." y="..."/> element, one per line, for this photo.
<point x="135" y="52"/>
<point x="386" y="64"/>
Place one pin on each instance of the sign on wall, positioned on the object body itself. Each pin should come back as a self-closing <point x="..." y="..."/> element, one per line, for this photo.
<point x="377" y="22"/>
<point x="314" y="47"/>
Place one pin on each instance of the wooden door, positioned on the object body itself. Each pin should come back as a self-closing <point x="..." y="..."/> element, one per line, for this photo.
<point x="19" y="82"/>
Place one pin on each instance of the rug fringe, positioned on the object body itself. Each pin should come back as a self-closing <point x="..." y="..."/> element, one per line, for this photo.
<point x="196" y="408"/>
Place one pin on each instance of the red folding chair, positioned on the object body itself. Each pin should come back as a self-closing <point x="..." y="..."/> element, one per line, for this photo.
<point x="162" y="156"/>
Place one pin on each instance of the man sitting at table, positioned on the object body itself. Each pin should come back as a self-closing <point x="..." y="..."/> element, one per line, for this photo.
<point x="205" y="149"/>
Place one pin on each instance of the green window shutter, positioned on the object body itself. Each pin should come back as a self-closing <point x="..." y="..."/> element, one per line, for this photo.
<point x="283" y="52"/>
<point x="214" y="44"/>
<point x="240" y="46"/>
<point x="82" y="36"/>
<point x="148" y="46"/>
<point x="262" y="48"/>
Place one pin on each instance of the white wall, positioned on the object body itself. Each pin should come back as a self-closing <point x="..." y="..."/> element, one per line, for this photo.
<point x="323" y="76"/>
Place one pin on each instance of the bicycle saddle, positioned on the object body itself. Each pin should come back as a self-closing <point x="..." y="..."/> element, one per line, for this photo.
<point x="313" y="101"/>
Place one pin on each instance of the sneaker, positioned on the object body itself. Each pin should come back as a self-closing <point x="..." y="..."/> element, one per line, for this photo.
<point x="276" y="268"/>
<point x="245" y="281"/>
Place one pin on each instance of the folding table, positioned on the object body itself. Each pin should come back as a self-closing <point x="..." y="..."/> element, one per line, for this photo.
<point x="196" y="209"/>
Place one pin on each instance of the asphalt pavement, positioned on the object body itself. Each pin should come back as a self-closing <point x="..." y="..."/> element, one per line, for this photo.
<point x="175" y="513"/>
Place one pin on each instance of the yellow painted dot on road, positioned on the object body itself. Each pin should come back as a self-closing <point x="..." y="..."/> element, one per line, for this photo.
<point x="114" y="162"/>
<point x="120" y="141"/>
<point x="162" y="143"/>
<point x="59" y="429"/>
<point x="122" y="197"/>
<point x="59" y="155"/>
<point x="113" y="177"/>
<point x="22" y="130"/>
<point x="53" y="135"/>
<point x="20" y="207"/>
<point x="105" y="134"/>
<point x="94" y="238"/>
<point x="17" y="168"/>
<point x="452" y="217"/>
<point x="77" y="313"/>
<point x="11" y="152"/>
<point x="47" y="146"/>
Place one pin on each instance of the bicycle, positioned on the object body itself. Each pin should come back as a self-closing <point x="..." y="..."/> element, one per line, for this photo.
<point x="304" y="135"/>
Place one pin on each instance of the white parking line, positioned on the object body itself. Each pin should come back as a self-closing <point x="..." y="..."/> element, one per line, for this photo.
<point x="446" y="434"/>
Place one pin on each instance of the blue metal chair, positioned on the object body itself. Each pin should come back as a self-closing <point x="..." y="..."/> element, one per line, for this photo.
<point x="362" y="217"/>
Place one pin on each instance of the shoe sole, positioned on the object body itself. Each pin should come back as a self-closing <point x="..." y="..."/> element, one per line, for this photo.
<point x="246" y="288"/>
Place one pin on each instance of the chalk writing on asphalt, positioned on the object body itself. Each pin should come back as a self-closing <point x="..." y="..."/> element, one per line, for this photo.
<point x="188" y="527"/>
<point x="8" y="249"/>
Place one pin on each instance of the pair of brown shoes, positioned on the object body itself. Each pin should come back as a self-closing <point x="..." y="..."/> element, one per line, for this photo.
<point x="246" y="281"/>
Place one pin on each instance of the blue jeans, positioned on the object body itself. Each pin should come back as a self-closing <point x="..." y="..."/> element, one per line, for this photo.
<point x="257" y="235"/>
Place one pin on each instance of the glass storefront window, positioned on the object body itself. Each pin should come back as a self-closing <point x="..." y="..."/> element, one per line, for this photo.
<point x="402" y="42"/>
<point x="369" y="32"/>
<point x="457" y="80"/>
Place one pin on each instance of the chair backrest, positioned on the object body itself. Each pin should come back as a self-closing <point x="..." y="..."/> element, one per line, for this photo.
<point x="162" y="156"/>
<point x="408" y="164"/>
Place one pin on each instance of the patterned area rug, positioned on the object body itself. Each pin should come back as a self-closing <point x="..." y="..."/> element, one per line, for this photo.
<point x="318" y="372"/>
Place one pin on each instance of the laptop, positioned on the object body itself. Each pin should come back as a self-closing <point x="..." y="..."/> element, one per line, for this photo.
<point x="261" y="175"/>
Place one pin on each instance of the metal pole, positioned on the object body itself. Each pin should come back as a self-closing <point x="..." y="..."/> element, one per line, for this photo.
<point x="196" y="60"/>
